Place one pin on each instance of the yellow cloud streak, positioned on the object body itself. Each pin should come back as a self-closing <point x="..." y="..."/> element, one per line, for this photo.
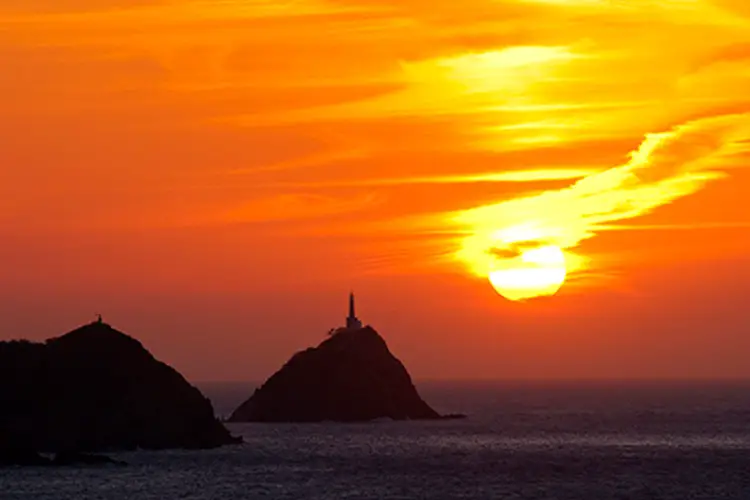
<point x="666" y="167"/>
<point x="176" y="13"/>
<point x="535" y="175"/>
<point x="290" y="207"/>
<point x="576" y="88"/>
<point x="465" y="84"/>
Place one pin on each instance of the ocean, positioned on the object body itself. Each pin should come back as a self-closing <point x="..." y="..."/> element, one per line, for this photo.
<point x="522" y="440"/>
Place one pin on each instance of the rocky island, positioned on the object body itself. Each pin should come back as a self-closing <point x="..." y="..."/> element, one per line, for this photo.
<point x="96" y="389"/>
<point x="351" y="376"/>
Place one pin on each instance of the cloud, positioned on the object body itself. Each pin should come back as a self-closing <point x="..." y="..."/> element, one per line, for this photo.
<point x="166" y="12"/>
<point x="466" y="84"/>
<point x="557" y="90"/>
<point x="536" y="175"/>
<point x="292" y="207"/>
<point x="674" y="227"/>
<point x="315" y="160"/>
<point x="666" y="167"/>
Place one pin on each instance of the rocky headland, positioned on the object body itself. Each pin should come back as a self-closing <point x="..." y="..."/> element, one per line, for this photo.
<point x="96" y="389"/>
<point x="350" y="377"/>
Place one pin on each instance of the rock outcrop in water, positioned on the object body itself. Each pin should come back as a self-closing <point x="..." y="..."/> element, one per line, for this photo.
<point x="96" y="389"/>
<point x="350" y="377"/>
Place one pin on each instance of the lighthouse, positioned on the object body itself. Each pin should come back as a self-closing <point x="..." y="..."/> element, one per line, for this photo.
<point x="352" y="322"/>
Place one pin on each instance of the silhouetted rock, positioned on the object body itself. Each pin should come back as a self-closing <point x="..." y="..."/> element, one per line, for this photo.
<point x="352" y="376"/>
<point x="453" y="416"/>
<point x="75" y="458"/>
<point x="13" y="455"/>
<point x="97" y="389"/>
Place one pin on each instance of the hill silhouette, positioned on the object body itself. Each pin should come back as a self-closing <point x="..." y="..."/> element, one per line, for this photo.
<point x="352" y="376"/>
<point x="97" y="389"/>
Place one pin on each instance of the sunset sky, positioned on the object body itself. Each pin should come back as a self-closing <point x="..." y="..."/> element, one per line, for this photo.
<point x="215" y="176"/>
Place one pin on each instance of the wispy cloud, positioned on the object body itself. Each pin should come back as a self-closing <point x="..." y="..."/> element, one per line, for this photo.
<point x="271" y="111"/>
<point x="667" y="166"/>
<point x="172" y="13"/>
<point x="536" y="175"/>
<point x="302" y="162"/>
<point x="292" y="207"/>
<point x="674" y="227"/>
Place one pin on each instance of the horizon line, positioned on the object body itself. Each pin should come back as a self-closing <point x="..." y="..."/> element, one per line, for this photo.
<point x="743" y="379"/>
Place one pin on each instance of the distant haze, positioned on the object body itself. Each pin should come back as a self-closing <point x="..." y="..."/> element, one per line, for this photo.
<point x="440" y="327"/>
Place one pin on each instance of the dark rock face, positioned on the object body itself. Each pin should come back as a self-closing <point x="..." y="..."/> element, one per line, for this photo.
<point x="350" y="377"/>
<point x="74" y="458"/>
<point x="97" y="389"/>
<point x="25" y="456"/>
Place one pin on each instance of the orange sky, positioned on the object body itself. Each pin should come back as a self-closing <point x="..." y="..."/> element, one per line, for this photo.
<point x="214" y="176"/>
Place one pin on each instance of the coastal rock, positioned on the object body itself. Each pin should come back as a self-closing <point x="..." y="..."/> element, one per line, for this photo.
<point x="97" y="389"/>
<point x="352" y="376"/>
<point x="23" y="456"/>
<point x="75" y="458"/>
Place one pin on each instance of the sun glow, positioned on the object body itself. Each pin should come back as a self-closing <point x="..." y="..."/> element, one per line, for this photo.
<point x="534" y="273"/>
<point x="531" y="144"/>
<point x="525" y="245"/>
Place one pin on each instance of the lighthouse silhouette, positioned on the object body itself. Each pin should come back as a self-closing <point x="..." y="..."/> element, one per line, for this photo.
<point x="352" y="322"/>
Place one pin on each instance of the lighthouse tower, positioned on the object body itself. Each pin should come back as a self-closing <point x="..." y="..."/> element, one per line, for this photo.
<point x="352" y="322"/>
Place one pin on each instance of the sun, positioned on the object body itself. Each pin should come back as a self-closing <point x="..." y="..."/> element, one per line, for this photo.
<point x="536" y="272"/>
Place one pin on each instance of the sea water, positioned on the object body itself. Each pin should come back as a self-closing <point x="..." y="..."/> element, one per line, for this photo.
<point x="565" y="440"/>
